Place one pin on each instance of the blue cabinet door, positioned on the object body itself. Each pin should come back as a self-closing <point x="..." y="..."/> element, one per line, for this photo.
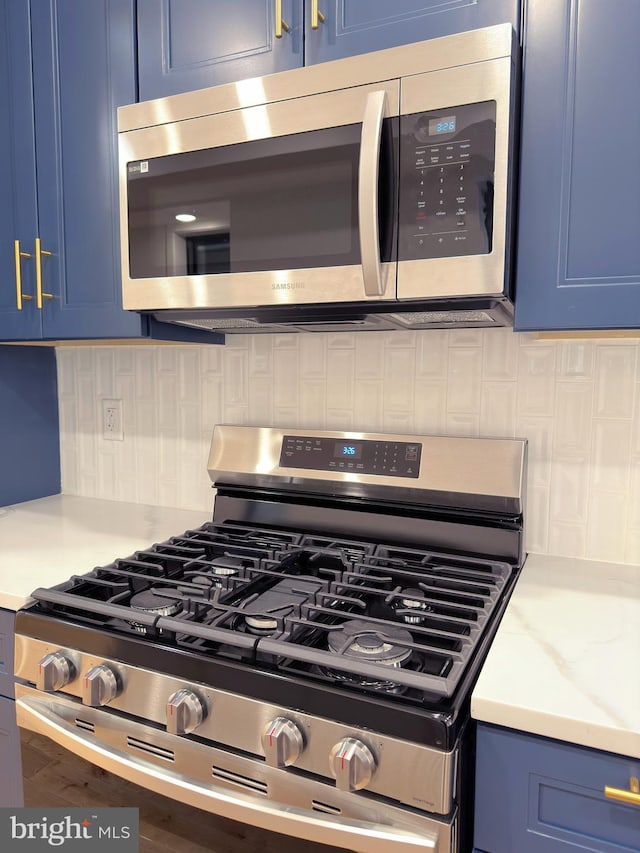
<point x="578" y="261"/>
<point x="83" y="59"/>
<point x="189" y="44"/>
<point x="19" y="318"/>
<point x="535" y="795"/>
<point x="7" y="622"/>
<point x="359" y="26"/>
<point x="29" y="451"/>
<point x="10" y="759"/>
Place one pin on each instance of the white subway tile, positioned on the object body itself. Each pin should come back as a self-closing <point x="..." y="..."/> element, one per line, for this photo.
<point x="607" y="526"/>
<point x="369" y="356"/>
<point x="569" y="492"/>
<point x="539" y="432"/>
<point x="536" y="379"/>
<point x="464" y="388"/>
<point x="615" y="381"/>
<point x="576" y="359"/>
<point x="498" y="409"/>
<point x="260" y="355"/>
<point x="500" y="355"/>
<point x="313" y="404"/>
<point x="369" y="405"/>
<point x="235" y="377"/>
<point x="399" y="379"/>
<point x="567" y="540"/>
<point x="340" y="378"/>
<point x="285" y="378"/>
<point x="611" y="452"/>
<point x="430" y="407"/>
<point x="432" y="354"/>
<point x="313" y="356"/>
<point x="537" y="519"/>
<point x="573" y="418"/>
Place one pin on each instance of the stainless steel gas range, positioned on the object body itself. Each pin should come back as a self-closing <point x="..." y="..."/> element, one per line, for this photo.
<point x="304" y="661"/>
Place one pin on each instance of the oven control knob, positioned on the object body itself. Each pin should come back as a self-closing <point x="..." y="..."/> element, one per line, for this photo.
<point x="282" y="742"/>
<point x="100" y="685"/>
<point x="352" y="763"/>
<point x="185" y="712"/>
<point x="54" y="671"/>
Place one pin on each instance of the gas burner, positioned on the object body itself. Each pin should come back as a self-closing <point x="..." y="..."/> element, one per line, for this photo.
<point x="371" y="643"/>
<point x="411" y="599"/>
<point x="154" y="603"/>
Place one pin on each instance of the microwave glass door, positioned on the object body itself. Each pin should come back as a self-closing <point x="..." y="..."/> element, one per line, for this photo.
<point x="290" y="202"/>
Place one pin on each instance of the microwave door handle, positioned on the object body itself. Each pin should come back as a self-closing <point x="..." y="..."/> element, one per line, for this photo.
<point x="368" y="193"/>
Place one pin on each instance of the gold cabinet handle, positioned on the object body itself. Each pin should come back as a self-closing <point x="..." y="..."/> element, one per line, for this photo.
<point x="19" y="294"/>
<point x="316" y="15"/>
<point x="631" y="797"/>
<point x="39" y="293"/>
<point x="281" y="24"/>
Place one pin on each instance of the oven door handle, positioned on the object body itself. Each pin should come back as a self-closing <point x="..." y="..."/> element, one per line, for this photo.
<point x="368" y="172"/>
<point x="360" y="836"/>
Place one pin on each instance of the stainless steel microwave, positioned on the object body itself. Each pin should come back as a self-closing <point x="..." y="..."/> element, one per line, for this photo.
<point x="373" y="192"/>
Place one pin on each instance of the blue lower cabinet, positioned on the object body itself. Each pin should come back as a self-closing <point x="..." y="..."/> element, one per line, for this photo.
<point x="29" y="433"/>
<point x="11" y="790"/>
<point x="578" y="252"/>
<point x="10" y="757"/>
<point x="354" y="26"/>
<point x="535" y="795"/>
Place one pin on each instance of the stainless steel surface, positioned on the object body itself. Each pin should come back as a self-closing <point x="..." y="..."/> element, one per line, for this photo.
<point x="457" y="69"/>
<point x="420" y="776"/>
<point x="282" y="742"/>
<point x="100" y="685"/>
<point x="276" y="287"/>
<point x="471" y="274"/>
<point x="368" y="194"/>
<point x="474" y="46"/>
<point x="54" y="672"/>
<point x="459" y="467"/>
<point x="352" y="764"/>
<point x="185" y="712"/>
<point x="242" y="789"/>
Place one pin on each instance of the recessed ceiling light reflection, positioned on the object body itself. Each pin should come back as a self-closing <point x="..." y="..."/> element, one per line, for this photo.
<point x="185" y="217"/>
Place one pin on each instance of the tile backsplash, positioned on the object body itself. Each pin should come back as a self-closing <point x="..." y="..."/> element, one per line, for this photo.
<point x="577" y="401"/>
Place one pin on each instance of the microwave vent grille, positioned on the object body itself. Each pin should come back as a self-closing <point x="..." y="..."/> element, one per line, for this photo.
<point x="443" y="318"/>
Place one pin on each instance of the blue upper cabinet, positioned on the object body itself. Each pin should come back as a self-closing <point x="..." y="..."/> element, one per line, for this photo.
<point x="578" y="263"/>
<point x="18" y="211"/>
<point x="65" y="67"/>
<point x="190" y="44"/>
<point x="346" y="27"/>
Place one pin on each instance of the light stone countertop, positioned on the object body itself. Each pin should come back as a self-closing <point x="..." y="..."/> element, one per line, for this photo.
<point x="44" y="542"/>
<point x="565" y="661"/>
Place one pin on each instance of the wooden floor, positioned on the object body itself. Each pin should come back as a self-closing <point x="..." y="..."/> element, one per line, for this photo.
<point x="55" y="777"/>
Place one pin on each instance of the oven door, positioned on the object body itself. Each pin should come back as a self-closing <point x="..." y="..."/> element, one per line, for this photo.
<point x="269" y="205"/>
<point x="232" y="785"/>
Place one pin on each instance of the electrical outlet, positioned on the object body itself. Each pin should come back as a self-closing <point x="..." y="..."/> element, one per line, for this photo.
<point x="112" y="425"/>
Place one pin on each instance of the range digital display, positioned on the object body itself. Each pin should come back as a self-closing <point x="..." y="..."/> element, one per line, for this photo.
<point x="348" y="450"/>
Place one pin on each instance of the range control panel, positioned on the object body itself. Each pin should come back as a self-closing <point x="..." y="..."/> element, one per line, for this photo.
<point x="447" y="164"/>
<point x="357" y="456"/>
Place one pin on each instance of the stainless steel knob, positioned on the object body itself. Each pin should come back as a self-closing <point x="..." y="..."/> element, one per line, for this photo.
<point x="352" y="763"/>
<point x="100" y="685"/>
<point x="54" y="671"/>
<point x="282" y="742"/>
<point x="185" y="712"/>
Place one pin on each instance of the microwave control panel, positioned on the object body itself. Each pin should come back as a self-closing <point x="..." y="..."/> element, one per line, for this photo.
<point x="447" y="163"/>
<point x="351" y="456"/>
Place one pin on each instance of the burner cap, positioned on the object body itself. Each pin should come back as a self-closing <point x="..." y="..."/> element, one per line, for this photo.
<point x="412" y="599"/>
<point x="261" y="624"/>
<point x="150" y="602"/>
<point x="225" y="566"/>
<point x="376" y="643"/>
